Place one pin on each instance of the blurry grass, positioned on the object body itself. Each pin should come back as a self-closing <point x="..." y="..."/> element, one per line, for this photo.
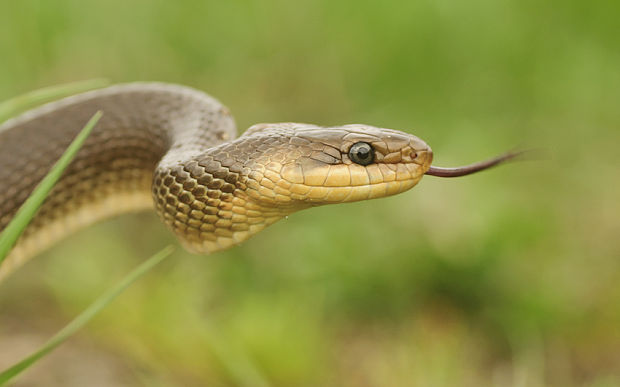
<point x="84" y="317"/>
<point x="233" y="358"/>
<point x="27" y="211"/>
<point x="20" y="103"/>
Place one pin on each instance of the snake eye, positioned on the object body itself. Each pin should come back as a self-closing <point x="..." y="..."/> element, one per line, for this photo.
<point x="362" y="153"/>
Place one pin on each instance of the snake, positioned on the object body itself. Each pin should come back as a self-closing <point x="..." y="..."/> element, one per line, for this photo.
<point x="175" y="149"/>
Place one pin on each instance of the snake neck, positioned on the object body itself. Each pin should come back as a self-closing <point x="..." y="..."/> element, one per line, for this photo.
<point x="145" y="126"/>
<point x="208" y="201"/>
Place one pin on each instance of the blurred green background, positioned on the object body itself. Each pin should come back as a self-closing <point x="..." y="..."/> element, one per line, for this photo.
<point x="506" y="278"/>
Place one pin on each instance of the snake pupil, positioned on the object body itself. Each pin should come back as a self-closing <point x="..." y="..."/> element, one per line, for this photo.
<point x="361" y="153"/>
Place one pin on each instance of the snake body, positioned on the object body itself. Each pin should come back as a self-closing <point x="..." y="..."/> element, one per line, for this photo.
<point x="174" y="148"/>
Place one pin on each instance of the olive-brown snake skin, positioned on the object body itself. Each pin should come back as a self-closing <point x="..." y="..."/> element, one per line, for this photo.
<point x="175" y="147"/>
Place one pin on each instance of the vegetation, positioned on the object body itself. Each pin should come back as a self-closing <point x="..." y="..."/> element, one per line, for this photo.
<point x="509" y="277"/>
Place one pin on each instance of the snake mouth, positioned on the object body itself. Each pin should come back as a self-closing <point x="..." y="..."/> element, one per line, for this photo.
<point x="370" y="182"/>
<point x="340" y="183"/>
<point x="332" y="195"/>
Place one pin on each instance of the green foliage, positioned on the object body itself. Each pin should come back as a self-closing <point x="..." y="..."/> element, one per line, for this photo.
<point x="78" y="322"/>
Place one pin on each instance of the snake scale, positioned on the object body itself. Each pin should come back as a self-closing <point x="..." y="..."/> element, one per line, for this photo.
<point x="175" y="148"/>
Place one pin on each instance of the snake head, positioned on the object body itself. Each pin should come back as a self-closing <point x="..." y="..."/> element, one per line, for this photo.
<point x="313" y="165"/>
<point x="232" y="191"/>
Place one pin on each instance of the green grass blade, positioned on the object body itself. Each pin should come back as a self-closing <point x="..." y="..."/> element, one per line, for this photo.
<point x="85" y="316"/>
<point x="11" y="233"/>
<point x="22" y="102"/>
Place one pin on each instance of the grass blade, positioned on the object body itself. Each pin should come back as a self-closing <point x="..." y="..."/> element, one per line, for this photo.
<point x="85" y="316"/>
<point x="20" y="103"/>
<point x="11" y="233"/>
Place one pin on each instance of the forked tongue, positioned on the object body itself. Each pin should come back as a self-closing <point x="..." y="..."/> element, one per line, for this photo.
<point x="473" y="168"/>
